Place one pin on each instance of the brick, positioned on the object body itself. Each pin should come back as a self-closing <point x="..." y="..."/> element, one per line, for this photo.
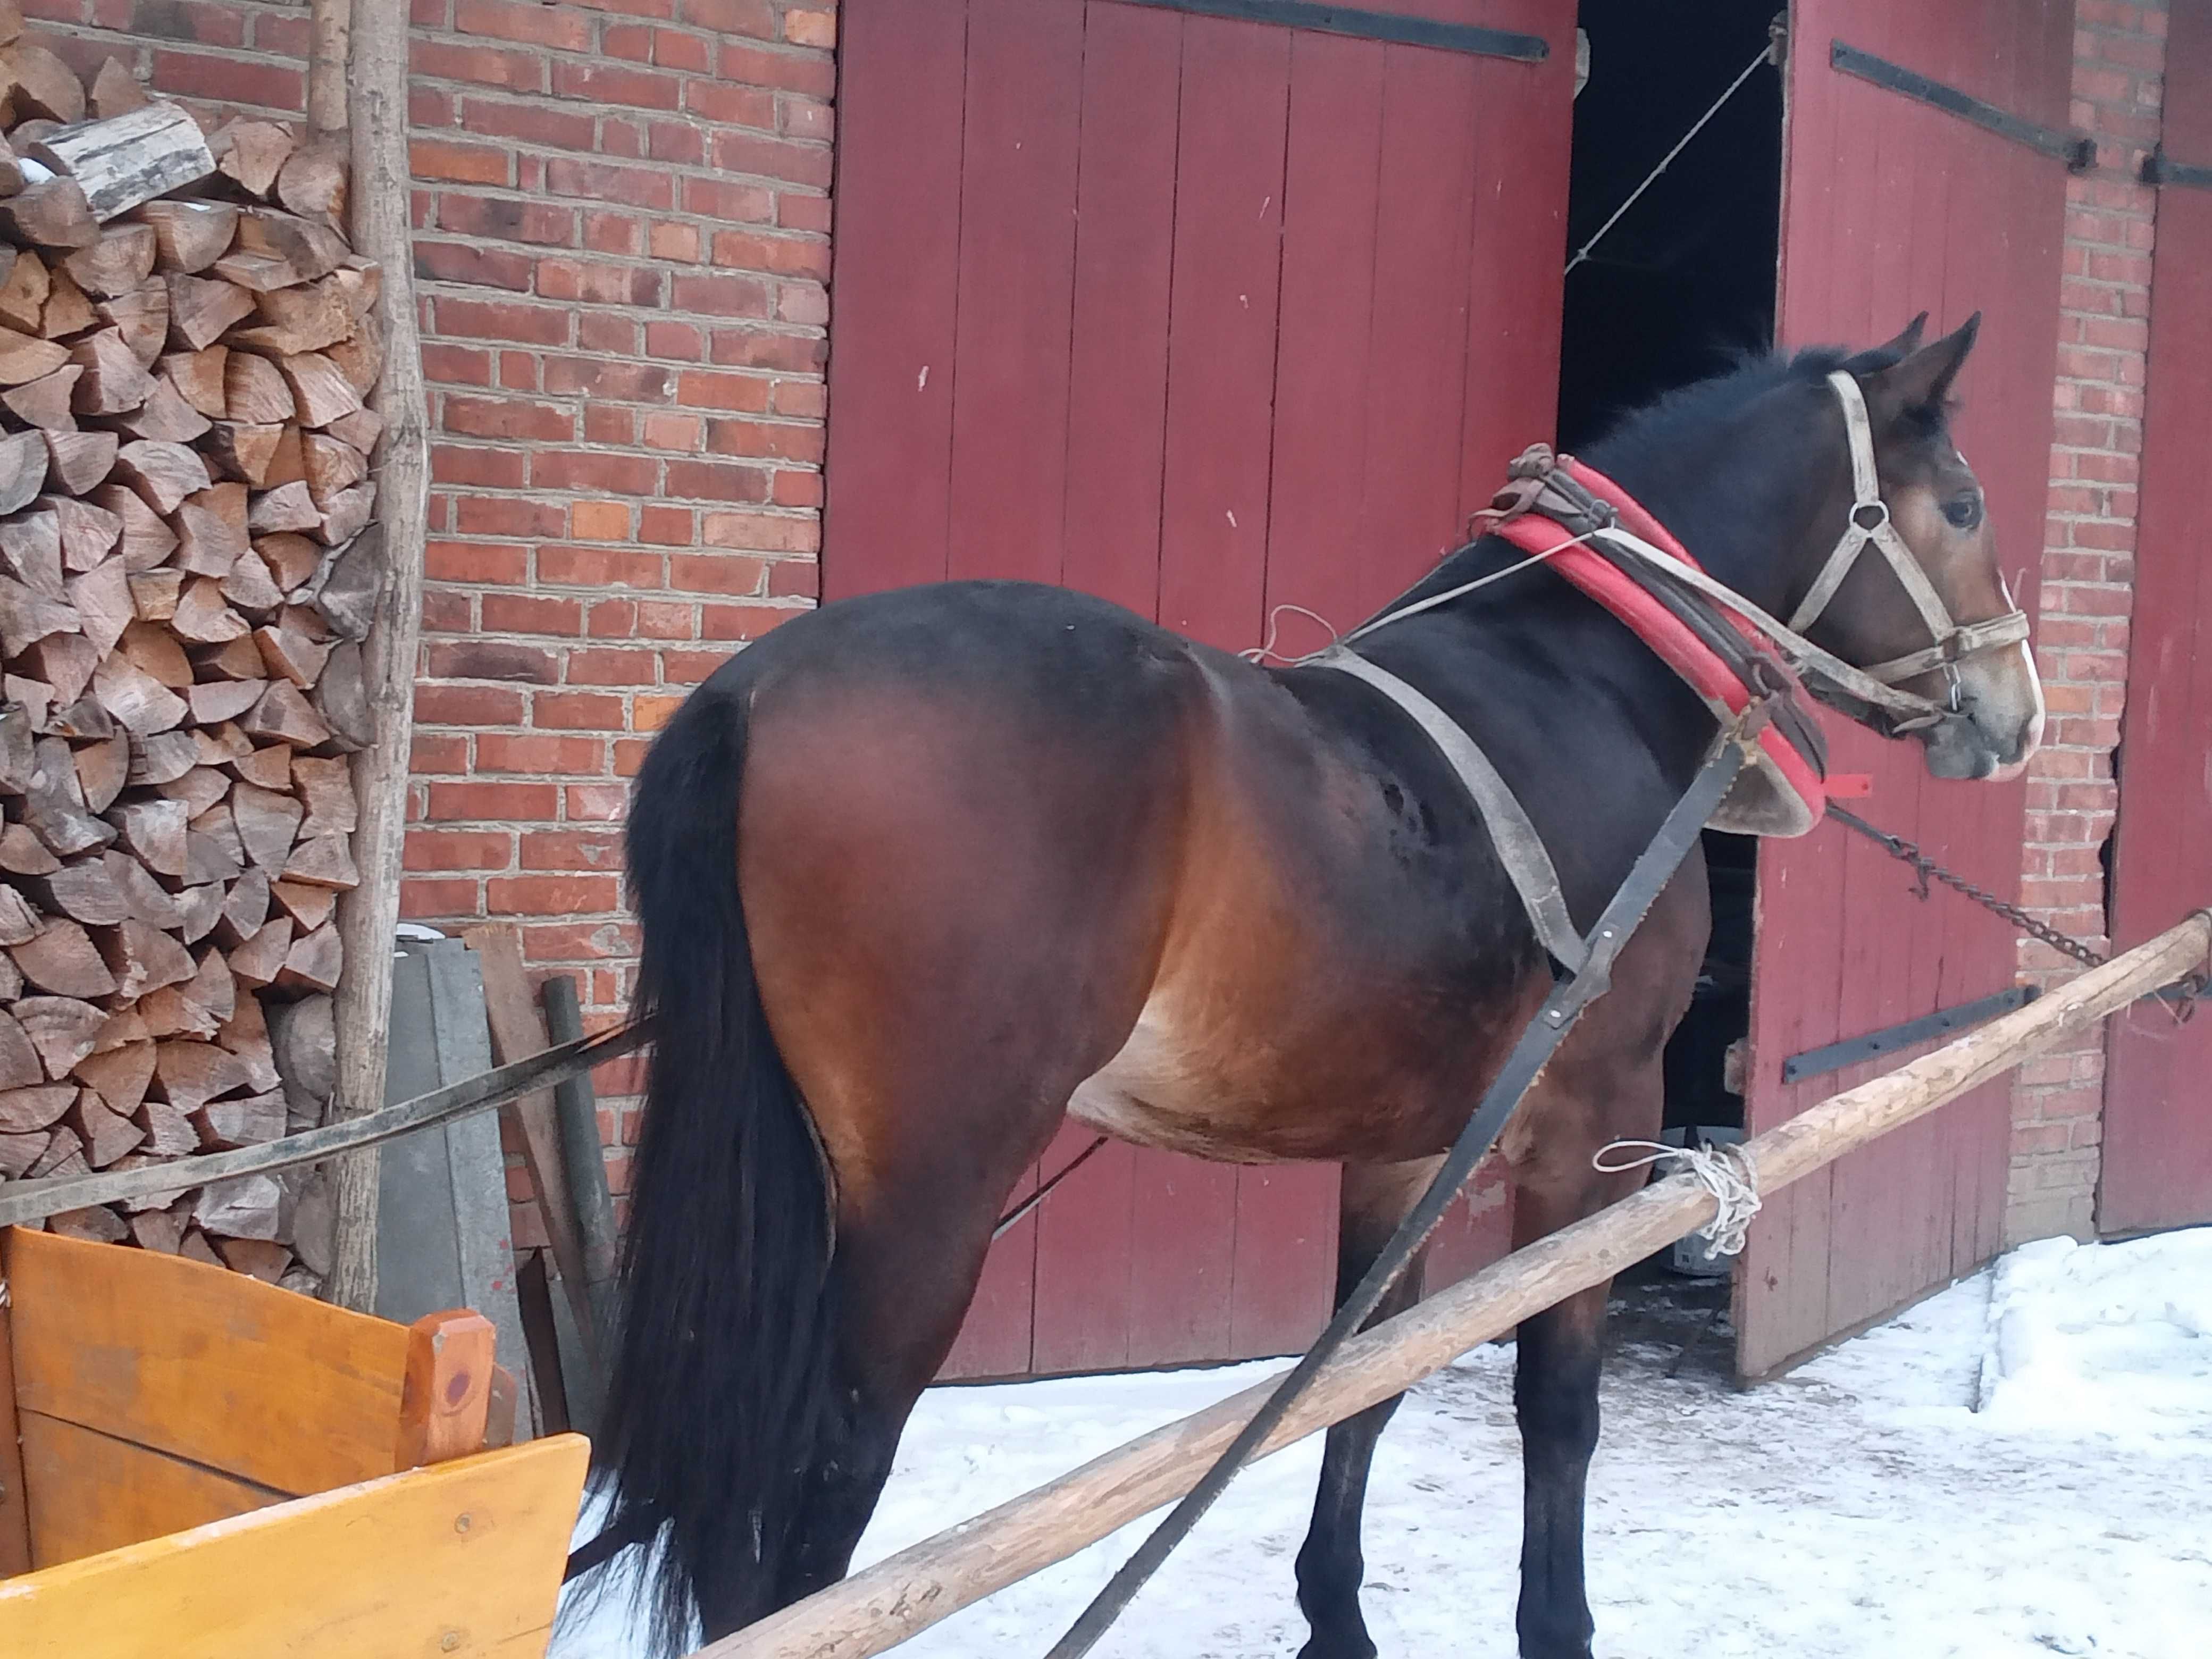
<point x="437" y="753"/>
<point x="476" y="562"/>
<point x="600" y="284"/>
<point x="669" y="240"/>
<point x="599" y="803"/>
<point x="555" y="127"/>
<point x="603" y="181"/>
<point x="488" y="320"/>
<point x="732" y="621"/>
<point x="604" y="83"/>
<point x="492" y="660"/>
<point x="468" y="164"/>
<point x="496" y="515"/>
<point x="467" y="705"/>
<point x="609" y="666"/>
<point x="178" y="20"/>
<point x="600" y="567"/>
<point x="633" y="383"/>
<point x="490" y="66"/>
<point x="493" y="803"/>
<point x="508" y="417"/>
<point x="729" y="199"/>
<point x="577" y="711"/>
<point x="651" y="713"/>
<point x="532" y="613"/>
<point x="226" y="78"/>
<point x="478" y="467"/>
<point x="592" y="470"/>
<point x="810" y="28"/>
<point x="722" y="572"/>
<point x="478" y="267"/>
<point x="506" y="220"/>
<point x="718" y="295"/>
<point x="769" y="348"/>
<point x="765" y="532"/>
<point x="610" y="423"/>
<point x="458" y="849"/>
<point x="665" y="526"/>
<point x="794" y="579"/>
<point x="777" y="441"/>
<point x="682" y="434"/>
<point x="536" y="754"/>
<point x="564" y="27"/>
<point x="570" y="849"/>
<point x="780" y="159"/>
<point x="703" y="389"/>
<point x="420" y="900"/>
<point x="746" y="64"/>
<point x="732" y="104"/>
<point x="599" y="521"/>
<point x="717" y="481"/>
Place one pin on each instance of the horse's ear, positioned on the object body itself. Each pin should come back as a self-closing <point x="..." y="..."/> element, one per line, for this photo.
<point x="1922" y="382"/>
<point x="1904" y="344"/>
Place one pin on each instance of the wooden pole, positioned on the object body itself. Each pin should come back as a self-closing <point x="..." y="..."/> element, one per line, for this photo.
<point x="367" y="914"/>
<point x="330" y="24"/>
<point x="905" y="1594"/>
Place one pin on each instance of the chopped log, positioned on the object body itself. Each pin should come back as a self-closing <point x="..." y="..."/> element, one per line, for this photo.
<point x="64" y="1155"/>
<point x="32" y="705"/>
<point x="322" y="862"/>
<point x="140" y="702"/>
<point x="23" y="293"/>
<point x="362" y="280"/>
<point x="44" y="86"/>
<point x="20" y="1065"/>
<point x="26" y="1109"/>
<point x="205" y="618"/>
<point x="292" y="559"/>
<point x="196" y="1247"/>
<point x="274" y="511"/>
<point x="169" y="1012"/>
<point x="25" y="358"/>
<point x="332" y="465"/>
<point x="346" y="515"/>
<point x="190" y="1074"/>
<point x="297" y="319"/>
<point x="309" y="906"/>
<point x="145" y="897"/>
<point x="312" y="183"/>
<point x="143" y="958"/>
<point x="22" y="854"/>
<point x="62" y="824"/>
<point x="201" y="908"/>
<point x="201" y="309"/>
<point x="353" y="587"/>
<point x="255" y="390"/>
<point x="269" y="767"/>
<point x="101" y="596"/>
<point x="67" y="310"/>
<point x="250" y="1206"/>
<point x="250" y="588"/>
<point x="165" y="417"/>
<point x="155" y="650"/>
<point x="19" y="757"/>
<point x="251" y="153"/>
<point x="208" y="860"/>
<point x="65" y="662"/>
<point x="362" y="429"/>
<point x="146" y="540"/>
<point x="107" y="1134"/>
<point x="11" y="169"/>
<point x="197" y="376"/>
<point x="210" y="538"/>
<point x="31" y="547"/>
<point x="89" y="534"/>
<point x="44" y="402"/>
<point x="11" y="21"/>
<point x="52" y="213"/>
<point x="24" y="471"/>
<point x="284" y="714"/>
<point x="261" y="958"/>
<point x="78" y="461"/>
<point x="189" y="236"/>
<point x="19" y="1153"/>
<point x="163" y="474"/>
<point x="233" y="659"/>
<point x="116" y="91"/>
<point x="341" y="698"/>
<point x="141" y="317"/>
<point x="224" y="1124"/>
<point x="119" y="260"/>
<point x="313" y="962"/>
<point x="257" y="1258"/>
<point x="154" y="832"/>
<point x="18" y="920"/>
<point x="245" y="907"/>
<point x="11" y="981"/>
<point x="119" y="1077"/>
<point x="83" y="889"/>
<point x="198" y="789"/>
<point x="63" y="960"/>
<point x="288" y="463"/>
<point x="221" y="745"/>
<point x="325" y="788"/>
<point x="268" y="823"/>
<point x="95" y="1225"/>
<point x="310" y="251"/>
<point x="213" y="988"/>
<point x="114" y="382"/>
<point x="163" y="758"/>
<point x="63" y="1031"/>
<point x="27" y="617"/>
<point x="360" y="355"/>
<point x="247" y="452"/>
<point x="129" y="158"/>
<point x="83" y="721"/>
<point x="218" y="700"/>
<point x="103" y="769"/>
<point x="161" y="1229"/>
<point x="320" y="391"/>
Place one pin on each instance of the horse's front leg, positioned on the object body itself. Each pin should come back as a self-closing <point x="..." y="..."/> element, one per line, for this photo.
<point x="1374" y="1200"/>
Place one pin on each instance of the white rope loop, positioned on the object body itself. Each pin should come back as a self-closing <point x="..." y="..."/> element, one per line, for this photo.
<point x="1723" y="1171"/>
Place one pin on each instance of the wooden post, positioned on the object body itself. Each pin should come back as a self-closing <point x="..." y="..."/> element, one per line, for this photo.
<point x="330" y="25"/>
<point x="367" y="914"/>
<point x="444" y="1399"/>
<point x="898" y="1597"/>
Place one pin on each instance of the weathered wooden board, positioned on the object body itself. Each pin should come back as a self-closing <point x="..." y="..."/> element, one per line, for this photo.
<point x="90" y="1492"/>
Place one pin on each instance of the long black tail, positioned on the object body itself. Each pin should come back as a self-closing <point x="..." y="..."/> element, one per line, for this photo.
<point x="722" y="1364"/>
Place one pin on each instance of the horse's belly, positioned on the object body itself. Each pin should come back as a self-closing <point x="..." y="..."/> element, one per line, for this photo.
<point x="1171" y="1088"/>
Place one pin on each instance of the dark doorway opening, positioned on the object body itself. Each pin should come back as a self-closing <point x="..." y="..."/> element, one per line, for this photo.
<point x="1680" y="284"/>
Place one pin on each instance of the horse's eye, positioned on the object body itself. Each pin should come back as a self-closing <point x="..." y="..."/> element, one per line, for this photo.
<point x="1966" y="512"/>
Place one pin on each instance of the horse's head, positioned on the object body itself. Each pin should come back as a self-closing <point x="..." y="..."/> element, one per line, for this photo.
<point x="1901" y="565"/>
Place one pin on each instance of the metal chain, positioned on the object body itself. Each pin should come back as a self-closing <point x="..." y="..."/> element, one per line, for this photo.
<point x="1907" y="852"/>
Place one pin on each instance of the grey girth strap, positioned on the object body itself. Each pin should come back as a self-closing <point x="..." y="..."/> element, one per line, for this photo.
<point x="1520" y="849"/>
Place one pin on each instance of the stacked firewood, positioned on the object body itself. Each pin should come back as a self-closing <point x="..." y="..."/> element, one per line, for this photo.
<point x="187" y="569"/>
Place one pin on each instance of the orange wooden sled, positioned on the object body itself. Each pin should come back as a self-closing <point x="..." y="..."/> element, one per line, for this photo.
<point x="192" y="1462"/>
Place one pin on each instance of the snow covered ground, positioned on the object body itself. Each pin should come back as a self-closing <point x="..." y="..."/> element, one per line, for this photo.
<point x="2020" y="1466"/>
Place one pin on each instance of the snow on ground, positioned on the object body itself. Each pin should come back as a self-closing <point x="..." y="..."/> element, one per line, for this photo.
<point x="2019" y="1466"/>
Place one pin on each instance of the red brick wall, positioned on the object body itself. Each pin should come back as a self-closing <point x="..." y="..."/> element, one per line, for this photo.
<point x="621" y="217"/>
<point x="2089" y="573"/>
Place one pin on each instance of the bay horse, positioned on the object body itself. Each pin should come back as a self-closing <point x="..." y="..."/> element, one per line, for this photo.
<point x="922" y="874"/>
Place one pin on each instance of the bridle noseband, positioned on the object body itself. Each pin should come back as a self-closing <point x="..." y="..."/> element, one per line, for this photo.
<point x="1869" y="525"/>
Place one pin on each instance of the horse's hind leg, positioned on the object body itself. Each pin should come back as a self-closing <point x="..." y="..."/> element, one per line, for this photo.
<point x="1374" y="1199"/>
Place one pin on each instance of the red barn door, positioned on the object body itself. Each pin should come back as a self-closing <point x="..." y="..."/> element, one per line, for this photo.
<point x="2158" y="1136"/>
<point x="1206" y="316"/>
<point x="1892" y="205"/>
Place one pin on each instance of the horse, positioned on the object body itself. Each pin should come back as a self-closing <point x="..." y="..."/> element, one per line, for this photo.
<point x="922" y="874"/>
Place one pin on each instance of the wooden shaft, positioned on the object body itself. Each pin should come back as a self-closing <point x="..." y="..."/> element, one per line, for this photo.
<point x="367" y="914"/>
<point x="905" y="1594"/>
<point x="330" y="24"/>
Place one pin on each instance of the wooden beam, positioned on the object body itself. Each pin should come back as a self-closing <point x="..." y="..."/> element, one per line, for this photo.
<point x="14" y="1508"/>
<point x="445" y="1397"/>
<point x="367" y="914"/>
<point x="905" y="1594"/>
<point x="330" y="24"/>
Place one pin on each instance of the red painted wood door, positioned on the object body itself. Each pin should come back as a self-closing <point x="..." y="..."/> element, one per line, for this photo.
<point x="2158" y="1136"/>
<point x="1890" y="207"/>
<point x="1205" y="316"/>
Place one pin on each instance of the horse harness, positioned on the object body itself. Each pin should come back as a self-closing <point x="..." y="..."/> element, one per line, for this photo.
<point x="1729" y="651"/>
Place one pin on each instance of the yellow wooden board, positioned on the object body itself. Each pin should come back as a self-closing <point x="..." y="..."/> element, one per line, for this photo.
<point x="210" y="1366"/>
<point x="90" y="1492"/>
<point x="457" y="1558"/>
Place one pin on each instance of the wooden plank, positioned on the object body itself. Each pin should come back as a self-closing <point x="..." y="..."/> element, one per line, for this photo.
<point x="207" y="1365"/>
<point x="1282" y="1266"/>
<point x="902" y="83"/>
<point x="15" y="1507"/>
<point x="446" y="1398"/>
<point x="1083" y="1241"/>
<point x="464" y="1558"/>
<point x="517" y="1033"/>
<point x="90" y="1492"/>
<point x="2158" y="1140"/>
<point x="893" y="1600"/>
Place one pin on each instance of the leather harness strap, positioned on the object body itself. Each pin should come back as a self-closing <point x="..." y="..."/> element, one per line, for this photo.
<point x="1527" y="864"/>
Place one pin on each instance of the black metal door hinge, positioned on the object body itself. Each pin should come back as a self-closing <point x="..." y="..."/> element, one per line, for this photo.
<point x="1814" y="1062"/>
<point x="2160" y="168"/>
<point x="2077" y="150"/>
